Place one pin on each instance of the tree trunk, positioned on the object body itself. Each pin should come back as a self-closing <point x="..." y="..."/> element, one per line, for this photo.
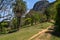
<point x="18" y="22"/>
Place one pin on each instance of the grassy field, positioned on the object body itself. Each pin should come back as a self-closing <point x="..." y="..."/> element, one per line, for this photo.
<point x="55" y="38"/>
<point x="25" y="33"/>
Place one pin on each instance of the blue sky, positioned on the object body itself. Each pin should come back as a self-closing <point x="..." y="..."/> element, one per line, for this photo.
<point x="30" y="3"/>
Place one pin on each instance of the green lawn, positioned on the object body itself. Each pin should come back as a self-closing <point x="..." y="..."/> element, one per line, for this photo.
<point x="25" y="33"/>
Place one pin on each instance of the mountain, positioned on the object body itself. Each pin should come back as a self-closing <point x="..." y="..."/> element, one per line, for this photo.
<point x="41" y="5"/>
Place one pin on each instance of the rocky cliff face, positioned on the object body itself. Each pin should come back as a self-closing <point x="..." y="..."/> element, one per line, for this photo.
<point x="41" y="6"/>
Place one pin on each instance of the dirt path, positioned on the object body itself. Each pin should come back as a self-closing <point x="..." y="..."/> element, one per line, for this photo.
<point x="40" y="33"/>
<point x="44" y="36"/>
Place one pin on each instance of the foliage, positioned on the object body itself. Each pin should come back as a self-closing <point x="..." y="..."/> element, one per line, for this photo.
<point x="36" y="16"/>
<point x="57" y="19"/>
<point x="13" y="25"/>
<point x="5" y="14"/>
<point x="19" y="9"/>
<point x="27" y="21"/>
<point x="52" y="9"/>
<point x="3" y="27"/>
<point x="14" y="22"/>
<point x="47" y="14"/>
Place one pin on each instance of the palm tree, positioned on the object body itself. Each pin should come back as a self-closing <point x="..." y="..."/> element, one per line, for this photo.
<point x="19" y="9"/>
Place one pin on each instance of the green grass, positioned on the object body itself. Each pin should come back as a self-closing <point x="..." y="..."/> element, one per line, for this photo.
<point x="25" y="33"/>
<point x="55" y="38"/>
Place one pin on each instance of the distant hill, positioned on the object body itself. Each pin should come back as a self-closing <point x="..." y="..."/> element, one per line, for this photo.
<point x="41" y="6"/>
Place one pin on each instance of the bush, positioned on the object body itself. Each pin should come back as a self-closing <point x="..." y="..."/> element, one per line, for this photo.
<point x="3" y="27"/>
<point x="57" y="19"/>
<point x="27" y="21"/>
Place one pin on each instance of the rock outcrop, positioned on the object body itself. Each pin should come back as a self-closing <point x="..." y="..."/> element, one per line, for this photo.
<point x="41" y="5"/>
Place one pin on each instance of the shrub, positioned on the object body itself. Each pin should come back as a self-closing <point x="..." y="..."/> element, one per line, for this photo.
<point x="57" y="19"/>
<point x="3" y="27"/>
<point x="27" y="21"/>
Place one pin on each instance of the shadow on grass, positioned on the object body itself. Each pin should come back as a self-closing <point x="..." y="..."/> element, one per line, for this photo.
<point x="55" y="32"/>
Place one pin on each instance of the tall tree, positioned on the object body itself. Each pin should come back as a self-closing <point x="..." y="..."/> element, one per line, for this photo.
<point x="19" y="9"/>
